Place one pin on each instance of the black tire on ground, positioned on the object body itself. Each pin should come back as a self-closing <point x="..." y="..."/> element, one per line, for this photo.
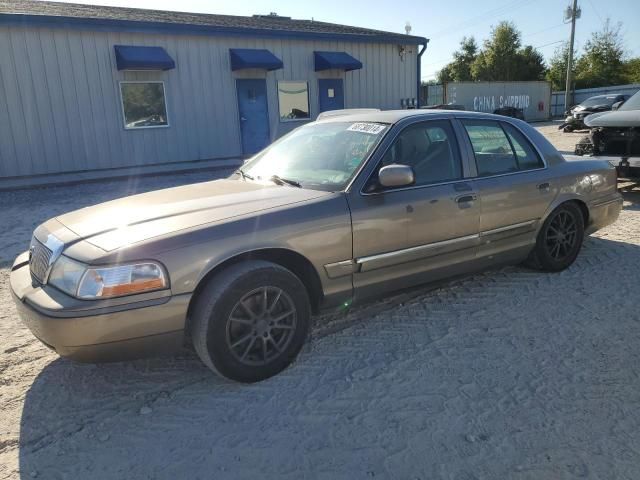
<point x="567" y="129"/>
<point x="250" y="320"/>
<point x="559" y="240"/>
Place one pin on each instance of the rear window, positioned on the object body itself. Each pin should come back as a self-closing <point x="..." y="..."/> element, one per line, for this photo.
<point x="526" y="155"/>
<point x="500" y="148"/>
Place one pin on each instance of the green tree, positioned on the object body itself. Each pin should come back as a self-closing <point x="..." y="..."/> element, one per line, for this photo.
<point x="445" y="74"/>
<point x="498" y="59"/>
<point x="459" y="70"/>
<point x="632" y="71"/>
<point x="557" y="71"/>
<point x="503" y="58"/>
<point x="463" y="59"/>
<point x="530" y="64"/>
<point x="603" y="60"/>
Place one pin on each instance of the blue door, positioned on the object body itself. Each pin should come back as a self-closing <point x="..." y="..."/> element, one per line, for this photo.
<point x="331" y="94"/>
<point x="254" y="115"/>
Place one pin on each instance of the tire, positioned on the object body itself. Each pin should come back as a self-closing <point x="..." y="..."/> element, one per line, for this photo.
<point x="559" y="240"/>
<point x="567" y="129"/>
<point x="231" y="307"/>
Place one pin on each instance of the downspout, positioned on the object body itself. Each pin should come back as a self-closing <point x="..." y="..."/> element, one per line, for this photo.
<point x="420" y="52"/>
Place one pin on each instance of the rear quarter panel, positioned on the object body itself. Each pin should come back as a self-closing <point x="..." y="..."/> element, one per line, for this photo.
<point x="589" y="181"/>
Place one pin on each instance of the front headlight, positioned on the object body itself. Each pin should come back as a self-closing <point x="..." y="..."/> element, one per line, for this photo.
<point x="66" y="275"/>
<point x="87" y="282"/>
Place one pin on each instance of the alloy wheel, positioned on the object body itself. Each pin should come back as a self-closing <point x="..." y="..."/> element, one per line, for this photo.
<point x="261" y="326"/>
<point x="561" y="235"/>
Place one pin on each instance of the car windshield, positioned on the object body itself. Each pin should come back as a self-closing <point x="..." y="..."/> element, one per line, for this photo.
<point x="321" y="156"/>
<point x="633" y="103"/>
<point x="597" y="101"/>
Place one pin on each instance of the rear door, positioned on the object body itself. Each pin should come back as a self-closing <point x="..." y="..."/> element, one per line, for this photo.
<point x="513" y="183"/>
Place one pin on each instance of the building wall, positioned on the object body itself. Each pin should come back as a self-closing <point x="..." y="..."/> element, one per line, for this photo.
<point x="60" y="107"/>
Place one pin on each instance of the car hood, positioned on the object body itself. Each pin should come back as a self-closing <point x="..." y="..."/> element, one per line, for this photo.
<point x="129" y="220"/>
<point x="617" y="118"/>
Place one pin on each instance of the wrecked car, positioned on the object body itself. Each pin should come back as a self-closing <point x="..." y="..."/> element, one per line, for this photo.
<point x="600" y="103"/>
<point x="616" y="134"/>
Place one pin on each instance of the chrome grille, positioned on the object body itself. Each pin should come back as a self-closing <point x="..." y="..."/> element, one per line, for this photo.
<point x="39" y="258"/>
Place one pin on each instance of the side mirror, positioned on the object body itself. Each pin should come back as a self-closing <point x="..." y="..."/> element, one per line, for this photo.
<point x="617" y="105"/>
<point x="396" y="175"/>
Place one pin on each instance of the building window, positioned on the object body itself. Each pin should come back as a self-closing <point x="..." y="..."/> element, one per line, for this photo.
<point x="144" y="104"/>
<point x="293" y="100"/>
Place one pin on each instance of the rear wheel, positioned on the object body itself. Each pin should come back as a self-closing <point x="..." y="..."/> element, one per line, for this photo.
<point x="250" y="321"/>
<point x="559" y="240"/>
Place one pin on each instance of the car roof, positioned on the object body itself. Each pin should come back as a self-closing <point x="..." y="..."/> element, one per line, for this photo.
<point x="395" y="116"/>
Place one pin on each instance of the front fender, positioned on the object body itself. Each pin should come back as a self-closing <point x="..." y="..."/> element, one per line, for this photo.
<point x="319" y="231"/>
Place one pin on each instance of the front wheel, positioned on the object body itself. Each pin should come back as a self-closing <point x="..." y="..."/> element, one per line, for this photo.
<point x="250" y="321"/>
<point x="559" y="240"/>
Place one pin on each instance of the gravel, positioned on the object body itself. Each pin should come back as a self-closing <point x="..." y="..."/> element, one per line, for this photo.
<point x="507" y="374"/>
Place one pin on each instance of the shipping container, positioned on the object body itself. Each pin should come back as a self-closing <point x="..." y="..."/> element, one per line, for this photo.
<point x="533" y="98"/>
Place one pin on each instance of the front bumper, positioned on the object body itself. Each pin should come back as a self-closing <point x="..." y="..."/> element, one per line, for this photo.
<point x="98" y="331"/>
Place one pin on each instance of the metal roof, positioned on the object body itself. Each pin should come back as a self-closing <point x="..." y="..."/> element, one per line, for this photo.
<point x="31" y="11"/>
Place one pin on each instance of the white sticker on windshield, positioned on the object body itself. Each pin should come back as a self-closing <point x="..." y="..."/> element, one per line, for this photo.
<point x="372" y="128"/>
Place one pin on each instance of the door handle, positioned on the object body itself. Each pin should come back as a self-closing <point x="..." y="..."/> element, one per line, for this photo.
<point x="465" y="198"/>
<point x="544" y="186"/>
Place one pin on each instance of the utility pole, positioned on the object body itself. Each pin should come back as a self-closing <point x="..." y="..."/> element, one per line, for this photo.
<point x="573" y="13"/>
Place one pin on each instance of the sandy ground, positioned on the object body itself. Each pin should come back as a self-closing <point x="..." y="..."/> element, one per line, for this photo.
<point x="564" y="142"/>
<point x="507" y="374"/>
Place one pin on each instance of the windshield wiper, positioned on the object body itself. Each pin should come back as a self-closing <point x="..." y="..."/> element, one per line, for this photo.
<point x="244" y="175"/>
<point x="282" y="181"/>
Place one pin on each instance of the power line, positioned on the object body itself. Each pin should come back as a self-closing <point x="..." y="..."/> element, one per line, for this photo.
<point x="449" y="59"/>
<point x="543" y="30"/>
<point x="595" y="10"/>
<point x="441" y="61"/>
<point x="452" y="29"/>
<point x="550" y="43"/>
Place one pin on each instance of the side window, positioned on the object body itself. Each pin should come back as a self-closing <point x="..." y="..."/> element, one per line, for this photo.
<point x="491" y="147"/>
<point x="431" y="149"/>
<point x="527" y="157"/>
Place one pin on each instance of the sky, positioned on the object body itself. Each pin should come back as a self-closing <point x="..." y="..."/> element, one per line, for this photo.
<point x="444" y="23"/>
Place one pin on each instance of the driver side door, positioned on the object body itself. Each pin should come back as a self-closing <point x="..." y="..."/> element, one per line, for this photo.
<point x="402" y="236"/>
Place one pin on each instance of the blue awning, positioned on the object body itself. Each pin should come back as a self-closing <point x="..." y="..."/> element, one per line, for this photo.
<point x="242" y="58"/>
<point x="129" y="57"/>
<point x="336" y="60"/>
